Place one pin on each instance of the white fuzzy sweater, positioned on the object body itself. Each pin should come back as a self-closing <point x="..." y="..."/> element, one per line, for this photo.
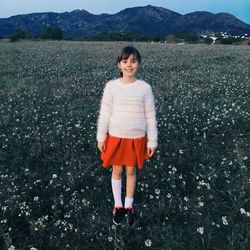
<point x="127" y="110"/>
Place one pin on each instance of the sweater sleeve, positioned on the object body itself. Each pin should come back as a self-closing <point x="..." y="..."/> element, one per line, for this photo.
<point x="150" y="115"/>
<point x="104" y="114"/>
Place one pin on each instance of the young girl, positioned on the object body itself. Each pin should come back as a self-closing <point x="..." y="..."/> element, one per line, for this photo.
<point x="126" y="130"/>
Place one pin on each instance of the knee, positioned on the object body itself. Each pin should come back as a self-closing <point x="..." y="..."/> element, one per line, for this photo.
<point x="117" y="170"/>
<point x="130" y="171"/>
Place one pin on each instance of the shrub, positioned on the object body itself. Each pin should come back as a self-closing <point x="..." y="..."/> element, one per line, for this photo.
<point x="187" y="37"/>
<point x="53" y="33"/>
<point x="20" y="34"/>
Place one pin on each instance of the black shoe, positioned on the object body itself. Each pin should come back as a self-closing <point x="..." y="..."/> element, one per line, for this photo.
<point x="130" y="216"/>
<point x="118" y="215"/>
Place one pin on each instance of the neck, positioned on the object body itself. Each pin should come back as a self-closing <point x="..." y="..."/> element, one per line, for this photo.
<point x="128" y="79"/>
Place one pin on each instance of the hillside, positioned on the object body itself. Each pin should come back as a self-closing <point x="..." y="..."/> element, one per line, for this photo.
<point x="148" y="20"/>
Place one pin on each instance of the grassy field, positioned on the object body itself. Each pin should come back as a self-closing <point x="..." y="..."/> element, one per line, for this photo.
<point x="193" y="194"/>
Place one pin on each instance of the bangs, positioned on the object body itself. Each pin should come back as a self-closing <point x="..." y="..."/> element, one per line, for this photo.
<point x="125" y="56"/>
<point x="126" y="52"/>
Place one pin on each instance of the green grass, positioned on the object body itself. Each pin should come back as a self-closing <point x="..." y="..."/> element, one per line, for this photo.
<point x="194" y="192"/>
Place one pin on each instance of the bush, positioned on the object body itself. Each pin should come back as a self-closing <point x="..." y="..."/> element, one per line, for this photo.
<point x="53" y="33"/>
<point x="20" y="34"/>
<point x="120" y="36"/>
<point x="230" y="40"/>
<point x="187" y="37"/>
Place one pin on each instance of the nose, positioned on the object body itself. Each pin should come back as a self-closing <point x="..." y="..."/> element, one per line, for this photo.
<point x="129" y="63"/>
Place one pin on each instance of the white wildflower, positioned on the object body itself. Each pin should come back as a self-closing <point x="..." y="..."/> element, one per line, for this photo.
<point x="200" y="230"/>
<point x="148" y="243"/>
<point x="224" y="220"/>
<point x="242" y="211"/>
<point x="201" y="204"/>
<point x="157" y="191"/>
<point x="54" y="176"/>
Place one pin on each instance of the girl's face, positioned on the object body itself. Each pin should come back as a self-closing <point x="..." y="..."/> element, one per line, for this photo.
<point x="129" y="66"/>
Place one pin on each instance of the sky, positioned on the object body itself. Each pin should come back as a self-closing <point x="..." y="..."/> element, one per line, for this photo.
<point x="239" y="8"/>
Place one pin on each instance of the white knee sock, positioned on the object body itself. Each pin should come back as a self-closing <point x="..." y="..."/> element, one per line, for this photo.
<point x="129" y="202"/>
<point x="117" y="190"/>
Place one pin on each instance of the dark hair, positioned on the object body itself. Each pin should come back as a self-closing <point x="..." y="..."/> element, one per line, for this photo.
<point x="126" y="52"/>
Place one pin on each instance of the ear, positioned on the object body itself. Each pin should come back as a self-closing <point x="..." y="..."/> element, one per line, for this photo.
<point x="119" y="65"/>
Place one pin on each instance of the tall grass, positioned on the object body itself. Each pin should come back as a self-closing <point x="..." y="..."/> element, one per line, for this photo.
<point x="194" y="192"/>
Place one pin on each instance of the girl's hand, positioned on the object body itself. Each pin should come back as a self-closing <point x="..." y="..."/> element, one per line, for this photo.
<point x="101" y="146"/>
<point x="151" y="151"/>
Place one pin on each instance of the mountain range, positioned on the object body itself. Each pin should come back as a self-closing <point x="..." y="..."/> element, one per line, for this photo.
<point x="147" y="20"/>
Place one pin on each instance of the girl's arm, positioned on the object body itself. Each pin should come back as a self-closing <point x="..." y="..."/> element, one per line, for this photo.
<point x="104" y="114"/>
<point x="150" y="115"/>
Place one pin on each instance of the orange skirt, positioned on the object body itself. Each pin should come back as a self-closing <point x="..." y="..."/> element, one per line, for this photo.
<point x="124" y="151"/>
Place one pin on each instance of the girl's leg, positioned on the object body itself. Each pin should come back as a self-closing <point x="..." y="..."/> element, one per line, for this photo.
<point x="116" y="183"/>
<point x="117" y="172"/>
<point x="130" y="185"/>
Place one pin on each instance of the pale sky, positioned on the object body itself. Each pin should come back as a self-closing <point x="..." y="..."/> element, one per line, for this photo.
<point x="239" y="8"/>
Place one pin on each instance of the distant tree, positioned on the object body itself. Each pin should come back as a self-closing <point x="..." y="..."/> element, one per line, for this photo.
<point x="218" y="35"/>
<point x="120" y="36"/>
<point x="227" y="40"/>
<point x="230" y="40"/>
<point x="53" y="33"/>
<point x="20" y="34"/>
<point x="187" y="37"/>
<point x="180" y="35"/>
